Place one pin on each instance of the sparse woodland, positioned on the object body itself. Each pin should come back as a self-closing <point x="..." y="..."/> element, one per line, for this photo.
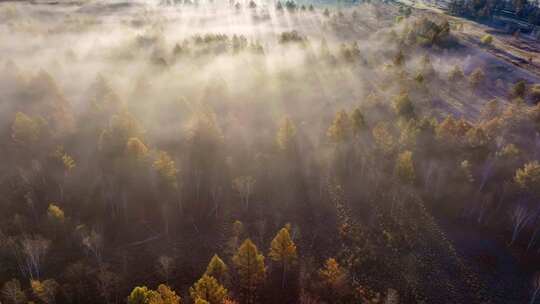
<point x="314" y="163"/>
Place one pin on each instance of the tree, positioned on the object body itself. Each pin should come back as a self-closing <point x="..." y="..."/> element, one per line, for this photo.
<point x="286" y="135"/>
<point x="508" y="152"/>
<point x="465" y="171"/>
<point x="283" y="251"/>
<point x="340" y="130"/>
<point x="234" y="241"/>
<point x="165" y="266"/>
<point x="392" y="297"/>
<point x="251" y="271"/>
<point x="399" y="59"/>
<point x="45" y="291"/>
<point x="55" y="214"/>
<point x="108" y="283"/>
<point x="122" y="127"/>
<point x="207" y="288"/>
<point x="93" y="242"/>
<point x="12" y="292"/>
<point x="520" y="218"/>
<point x="535" y="93"/>
<point x="333" y="278"/>
<point x="477" y="78"/>
<point x="67" y="163"/>
<point x="166" y="169"/>
<point x="33" y="250"/>
<point x="519" y="89"/>
<point x="384" y="139"/>
<point x="164" y="295"/>
<point x="487" y="40"/>
<point x="528" y="177"/>
<point x="403" y="106"/>
<point x="291" y="36"/>
<point x="140" y="295"/>
<point x="519" y="5"/>
<point x="217" y="268"/>
<point x="456" y="74"/>
<point x="324" y="51"/>
<point x="290" y="5"/>
<point x="428" y="32"/>
<point x="244" y="186"/>
<point x="358" y="122"/>
<point x="201" y="301"/>
<point x="536" y="287"/>
<point x="65" y="159"/>
<point x="136" y="149"/>
<point x="427" y="67"/>
<point x="405" y="167"/>
<point x="326" y="13"/>
<point x="26" y="130"/>
<point x="167" y="172"/>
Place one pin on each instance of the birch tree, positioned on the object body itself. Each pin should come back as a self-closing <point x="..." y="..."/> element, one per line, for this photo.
<point x="520" y="218"/>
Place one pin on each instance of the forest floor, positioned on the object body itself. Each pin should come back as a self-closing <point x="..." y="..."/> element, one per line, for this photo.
<point x="489" y="256"/>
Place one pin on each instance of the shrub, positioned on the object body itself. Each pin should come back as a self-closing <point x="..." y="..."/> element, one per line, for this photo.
<point x="456" y="74"/>
<point x="535" y="93"/>
<point x="476" y="78"/>
<point x="292" y="36"/>
<point x="487" y="40"/>
<point x="519" y="89"/>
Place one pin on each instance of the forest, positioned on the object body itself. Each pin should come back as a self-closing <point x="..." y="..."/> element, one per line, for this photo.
<point x="262" y="152"/>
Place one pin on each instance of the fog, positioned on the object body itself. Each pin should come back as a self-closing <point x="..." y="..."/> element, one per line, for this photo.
<point x="132" y="46"/>
<point x="135" y="132"/>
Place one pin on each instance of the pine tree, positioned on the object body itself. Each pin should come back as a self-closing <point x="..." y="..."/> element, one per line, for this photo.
<point x="403" y="106"/>
<point x="476" y="78"/>
<point x="164" y="295"/>
<point x="250" y="267"/>
<point x="340" y="130"/>
<point x="140" y="295"/>
<point x="217" y="269"/>
<point x="207" y="288"/>
<point x="286" y="135"/>
<point x="136" y="149"/>
<point x="528" y="177"/>
<point x="332" y="272"/>
<point x="283" y="250"/>
<point x="358" y="122"/>
<point x="405" y="167"/>
<point x="26" y="130"/>
<point x="333" y="278"/>
<point x="166" y="168"/>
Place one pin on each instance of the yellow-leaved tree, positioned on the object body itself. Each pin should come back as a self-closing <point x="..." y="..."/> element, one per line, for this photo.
<point x="251" y="270"/>
<point x="405" y="167"/>
<point x="286" y="135"/>
<point x="217" y="269"/>
<point x="164" y="295"/>
<point x="333" y="279"/>
<point x="283" y="251"/>
<point x="340" y="130"/>
<point x="208" y="289"/>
